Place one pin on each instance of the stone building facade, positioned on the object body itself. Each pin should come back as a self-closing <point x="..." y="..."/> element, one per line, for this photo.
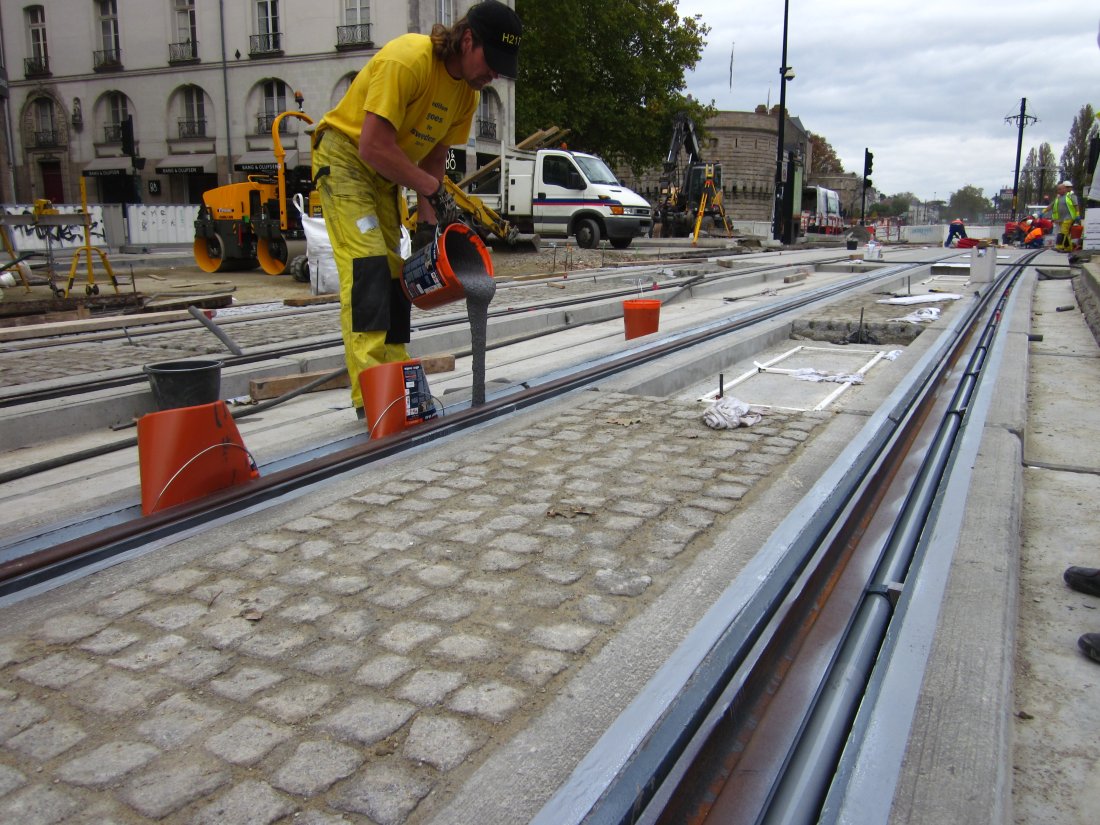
<point x="203" y="82"/>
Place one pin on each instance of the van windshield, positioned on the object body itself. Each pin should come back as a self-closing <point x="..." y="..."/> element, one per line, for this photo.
<point x="596" y="170"/>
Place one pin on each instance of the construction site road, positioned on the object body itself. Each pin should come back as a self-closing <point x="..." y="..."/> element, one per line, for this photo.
<point x="441" y="639"/>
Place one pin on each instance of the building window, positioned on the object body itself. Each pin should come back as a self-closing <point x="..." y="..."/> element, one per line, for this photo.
<point x="110" y="54"/>
<point x="268" y="38"/>
<point x="486" y="117"/>
<point x="38" y="62"/>
<point x="186" y="45"/>
<point x="356" y="12"/>
<point x="274" y="104"/>
<point x="45" y="123"/>
<point x="356" y="28"/>
<point x="447" y="12"/>
<point x="117" y="112"/>
<point x="192" y="123"/>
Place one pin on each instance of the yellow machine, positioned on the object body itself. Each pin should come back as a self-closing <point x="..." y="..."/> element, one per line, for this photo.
<point x="483" y="219"/>
<point x="243" y="225"/>
<point x="710" y="202"/>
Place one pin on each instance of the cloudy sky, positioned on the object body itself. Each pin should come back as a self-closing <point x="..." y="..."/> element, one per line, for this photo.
<point x="926" y="86"/>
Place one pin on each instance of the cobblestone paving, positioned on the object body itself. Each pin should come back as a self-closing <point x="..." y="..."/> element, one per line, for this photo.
<point x="342" y="666"/>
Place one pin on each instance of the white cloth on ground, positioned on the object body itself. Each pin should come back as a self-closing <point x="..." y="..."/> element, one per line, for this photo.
<point x="728" y="413"/>
<point x="810" y="374"/>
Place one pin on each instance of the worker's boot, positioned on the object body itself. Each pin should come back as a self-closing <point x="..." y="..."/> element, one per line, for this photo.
<point x="1083" y="579"/>
<point x="1090" y="645"/>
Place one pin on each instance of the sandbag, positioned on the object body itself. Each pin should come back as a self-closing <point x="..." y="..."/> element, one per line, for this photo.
<point x="323" y="277"/>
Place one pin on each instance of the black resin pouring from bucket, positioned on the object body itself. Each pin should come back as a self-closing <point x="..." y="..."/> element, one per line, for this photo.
<point x="455" y="266"/>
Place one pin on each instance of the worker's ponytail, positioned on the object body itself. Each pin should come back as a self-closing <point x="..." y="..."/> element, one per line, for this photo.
<point x="447" y="42"/>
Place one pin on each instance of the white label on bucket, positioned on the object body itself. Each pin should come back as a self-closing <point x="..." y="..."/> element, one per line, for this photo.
<point x="366" y="223"/>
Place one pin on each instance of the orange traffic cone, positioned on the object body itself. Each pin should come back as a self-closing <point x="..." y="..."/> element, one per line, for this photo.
<point x="189" y="452"/>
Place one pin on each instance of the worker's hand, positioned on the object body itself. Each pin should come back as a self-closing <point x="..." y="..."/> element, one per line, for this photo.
<point x="423" y="236"/>
<point x="444" y="206"/>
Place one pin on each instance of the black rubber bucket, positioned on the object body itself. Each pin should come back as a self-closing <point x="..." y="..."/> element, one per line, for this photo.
<point x="852" y="243"/>
<point x="178" y="384"/>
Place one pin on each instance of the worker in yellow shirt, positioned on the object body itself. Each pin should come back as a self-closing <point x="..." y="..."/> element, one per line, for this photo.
<point x="393" y="128"/>
<point x="1064" y="211"/>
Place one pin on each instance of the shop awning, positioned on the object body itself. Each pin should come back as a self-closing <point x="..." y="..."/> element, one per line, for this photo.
<point x="106" y="167"/>
<point x="264" y="161"/>
<point x="187" y="165"/>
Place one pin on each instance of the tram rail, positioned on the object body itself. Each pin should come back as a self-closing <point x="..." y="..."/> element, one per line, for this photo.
<point x="767" y="728"/>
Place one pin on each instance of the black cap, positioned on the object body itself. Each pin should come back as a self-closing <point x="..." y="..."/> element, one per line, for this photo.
<point x="499" y="29"/>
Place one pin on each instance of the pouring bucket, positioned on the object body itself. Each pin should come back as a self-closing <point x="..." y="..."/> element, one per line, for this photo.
<point x="432" y="277"/>
<point x="187" y="453"/>
<point x="184" y="383"/>
<point x="395" y="396"/>
<point x="641" y="316"/>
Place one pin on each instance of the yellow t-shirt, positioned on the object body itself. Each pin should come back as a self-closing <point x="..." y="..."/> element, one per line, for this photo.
<point x="409" y="87"/>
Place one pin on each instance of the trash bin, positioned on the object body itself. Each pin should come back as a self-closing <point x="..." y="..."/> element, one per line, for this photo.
<point x="178" y="384"/>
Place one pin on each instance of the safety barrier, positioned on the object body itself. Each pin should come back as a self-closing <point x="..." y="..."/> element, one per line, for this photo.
<point x="138" y="225"/>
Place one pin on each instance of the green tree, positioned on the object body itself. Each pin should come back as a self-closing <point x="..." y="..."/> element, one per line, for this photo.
<point x="1037" y="177"/>
<point x="610" y="72"/>
<point x="894" y="206"/>
<point x="823" y="158"/>
<point x="969" y="203"/>
<point x="1075" y="155"/>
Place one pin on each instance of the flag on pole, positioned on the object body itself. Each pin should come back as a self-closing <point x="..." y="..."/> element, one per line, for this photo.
<point x="731" y="63"/>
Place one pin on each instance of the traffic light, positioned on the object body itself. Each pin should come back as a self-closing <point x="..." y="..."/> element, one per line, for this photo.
<point x="867" y="183"/>
<point x="868" y="159"/>
<point x="128" y="136"/>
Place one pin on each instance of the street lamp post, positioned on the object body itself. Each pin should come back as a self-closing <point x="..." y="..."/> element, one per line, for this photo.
<point x="785" y="73"/>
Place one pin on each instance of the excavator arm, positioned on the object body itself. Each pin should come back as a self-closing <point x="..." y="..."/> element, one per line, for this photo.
<point x="482" y="216"/>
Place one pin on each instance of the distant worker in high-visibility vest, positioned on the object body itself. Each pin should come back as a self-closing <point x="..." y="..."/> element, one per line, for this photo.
<point x="1065" y="212"/>
<point x="1024" y="227"/>
<point x="1034" y="238"/>
<point x="955" y="230"/>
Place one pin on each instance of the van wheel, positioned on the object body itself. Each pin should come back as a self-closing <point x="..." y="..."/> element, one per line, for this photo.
<point x="621" y="243"/>
<point x="587" y="233"/>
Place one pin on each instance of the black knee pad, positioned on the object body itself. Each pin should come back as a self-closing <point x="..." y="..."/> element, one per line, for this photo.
<point x="400" y="329"/>
<point x="370" y="294"/>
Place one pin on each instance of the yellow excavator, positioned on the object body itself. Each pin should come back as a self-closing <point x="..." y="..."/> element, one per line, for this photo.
<point x="244" y="225"/>
<point x="482" y="219"/>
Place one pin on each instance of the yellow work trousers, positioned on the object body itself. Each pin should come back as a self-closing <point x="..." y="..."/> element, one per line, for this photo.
<point x="1065" y="242"/>
<point x="361" y="215"/>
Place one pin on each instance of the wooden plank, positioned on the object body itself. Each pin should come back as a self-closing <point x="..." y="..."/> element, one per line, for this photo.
<point x="312" y="300"/>
<point x="438" y="363"/>
<point x="262" y="389"/>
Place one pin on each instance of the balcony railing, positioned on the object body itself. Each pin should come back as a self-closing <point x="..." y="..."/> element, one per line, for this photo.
<point x="112" y="133"/>
<point x="45" y="138"/>
<point x="261" y="45"/>
<point x="107" y="60"/>
<point x="36" y="66"/>
<point x="186" y="52"/>
<point x="353" y="37"/>
<point x="487" y="129"/>
<point x="265" y="121"/>
<point x="192" y="128"/>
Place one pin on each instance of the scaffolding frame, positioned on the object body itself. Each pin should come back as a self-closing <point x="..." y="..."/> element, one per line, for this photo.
<point x="769" y="367"/>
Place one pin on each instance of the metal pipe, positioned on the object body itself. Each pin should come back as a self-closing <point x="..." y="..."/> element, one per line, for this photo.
<point x="202" y="318"/>
<point x="777" y="206"/>
<point x="225" y="92"/>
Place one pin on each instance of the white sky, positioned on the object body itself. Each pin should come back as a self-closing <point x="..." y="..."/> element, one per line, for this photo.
<point x="924" y="84"/>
